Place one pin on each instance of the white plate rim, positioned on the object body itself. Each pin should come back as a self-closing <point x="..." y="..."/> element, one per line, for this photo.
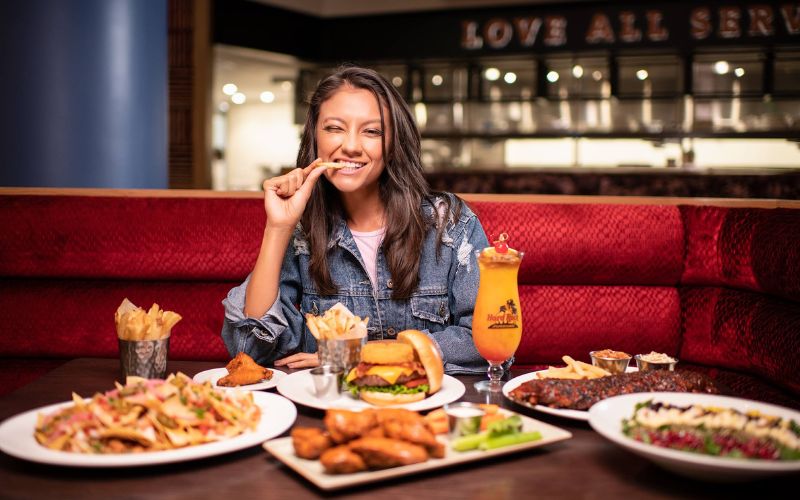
<point x="16" y="439"/>
<point x="605" y="417"/>
<point x="515" y="382"/>
<point x="215" y="374"/>
<point x="283" y="450"/>
<point x="452" y="390"/>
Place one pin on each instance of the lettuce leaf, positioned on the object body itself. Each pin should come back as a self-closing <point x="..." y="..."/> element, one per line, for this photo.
<point x="392" y="389"/>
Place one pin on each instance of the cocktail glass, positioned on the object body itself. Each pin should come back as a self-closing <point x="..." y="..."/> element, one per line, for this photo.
<point x="497" y="320"/>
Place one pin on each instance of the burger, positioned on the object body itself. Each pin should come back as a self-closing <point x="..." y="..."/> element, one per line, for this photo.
<point x="393" y="372"/>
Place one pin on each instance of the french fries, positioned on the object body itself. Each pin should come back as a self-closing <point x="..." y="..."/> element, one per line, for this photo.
<point x="337" y="323"/>
<point x="576" y="370"/>
<point x="134" y="323"/>
<point x="330" y="164"/>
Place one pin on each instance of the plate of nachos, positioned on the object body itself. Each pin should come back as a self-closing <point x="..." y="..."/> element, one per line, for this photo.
<point x="146" y="422"/>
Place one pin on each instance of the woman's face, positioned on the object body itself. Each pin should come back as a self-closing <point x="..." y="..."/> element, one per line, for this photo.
<point x="349" y="132"/>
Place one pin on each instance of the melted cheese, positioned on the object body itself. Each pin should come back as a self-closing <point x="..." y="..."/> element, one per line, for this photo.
<point x="389" y="373"/>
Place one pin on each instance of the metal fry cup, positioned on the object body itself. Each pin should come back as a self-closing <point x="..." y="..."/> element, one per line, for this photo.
<point x="340" y="354"/>
<point x="143" y="358"/>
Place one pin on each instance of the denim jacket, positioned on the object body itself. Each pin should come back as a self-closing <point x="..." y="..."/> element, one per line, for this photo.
<point x="441" y="306"/>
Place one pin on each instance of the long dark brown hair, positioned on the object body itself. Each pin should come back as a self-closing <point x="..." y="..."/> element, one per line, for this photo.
<point x="402" y="185"/>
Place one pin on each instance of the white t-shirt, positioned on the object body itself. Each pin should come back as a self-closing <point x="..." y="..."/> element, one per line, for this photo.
<point x="368" y="244"/>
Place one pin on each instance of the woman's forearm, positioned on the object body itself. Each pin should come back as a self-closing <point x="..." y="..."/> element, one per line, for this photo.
<point x="265" y="279"/>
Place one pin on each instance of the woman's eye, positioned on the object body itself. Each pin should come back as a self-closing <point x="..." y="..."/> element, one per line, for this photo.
<point x="331" y="128"/>
<point x="374" y="132"/>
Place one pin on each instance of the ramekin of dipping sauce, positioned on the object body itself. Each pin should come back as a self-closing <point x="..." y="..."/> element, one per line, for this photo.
<point x="615" y="362"/>
<point x="655" y="361"/>
<point x="463" y="418"/>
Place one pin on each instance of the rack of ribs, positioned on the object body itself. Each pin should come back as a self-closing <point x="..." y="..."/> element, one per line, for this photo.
<point x="582" y="394"/>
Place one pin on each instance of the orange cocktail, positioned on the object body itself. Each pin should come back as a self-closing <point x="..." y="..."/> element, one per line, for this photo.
<point x="497" y="320"/>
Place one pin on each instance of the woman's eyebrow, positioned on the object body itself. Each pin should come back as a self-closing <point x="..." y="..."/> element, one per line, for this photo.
<point x="336" y="118"/>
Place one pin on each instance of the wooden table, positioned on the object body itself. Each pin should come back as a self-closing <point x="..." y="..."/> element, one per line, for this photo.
<point x="586" y="466"/>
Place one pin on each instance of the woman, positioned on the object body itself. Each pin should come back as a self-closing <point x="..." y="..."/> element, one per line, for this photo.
<point x="369" y="235"/>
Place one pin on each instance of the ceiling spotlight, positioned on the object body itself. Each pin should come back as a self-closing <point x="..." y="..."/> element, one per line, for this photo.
<point x="437" y="80"/>
<point x="223" y="106"/>
<point x="492" y="74"/>
<point x="238" y="98"/>
<point x="721" y="67"/>
<point x="577" y="71"/>
<point x="229" y="88"/>
<point x="552" y="77"/>
<point x="642" y="74"/>
<point x="597" y="75"/>
<point x="397" y="81"/>
<point x="739" y="72"/>
<point x="510" y="77"/>
<point x="267" y="97"/>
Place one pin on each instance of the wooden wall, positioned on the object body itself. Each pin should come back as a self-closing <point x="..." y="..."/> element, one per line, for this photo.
<point x="189" y="56"/>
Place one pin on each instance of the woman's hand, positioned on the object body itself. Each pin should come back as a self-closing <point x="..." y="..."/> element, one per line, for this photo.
<point x="299" y="360"/>
<point x="286" y="196"/>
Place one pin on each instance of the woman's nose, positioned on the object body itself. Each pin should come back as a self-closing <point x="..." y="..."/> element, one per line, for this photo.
<point x="351" y="145"/>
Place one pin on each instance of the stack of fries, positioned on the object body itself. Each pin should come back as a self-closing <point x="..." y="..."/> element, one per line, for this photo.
<point x="337" y="323"/>
<point x="134" y="323"/>
<point x="577" y="370"/>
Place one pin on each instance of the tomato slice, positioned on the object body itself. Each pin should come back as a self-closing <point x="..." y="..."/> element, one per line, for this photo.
<point x="417" y="381"/>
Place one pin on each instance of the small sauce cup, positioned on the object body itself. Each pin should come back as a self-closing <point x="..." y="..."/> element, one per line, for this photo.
<point x="645" y="364"/>
<point x="463" y="418"/>
<point x="327" y="382"/>
<point x="615" y="362"/>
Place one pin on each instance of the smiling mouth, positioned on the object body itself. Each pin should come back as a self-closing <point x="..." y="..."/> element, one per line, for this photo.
<point x="349" y="166"/>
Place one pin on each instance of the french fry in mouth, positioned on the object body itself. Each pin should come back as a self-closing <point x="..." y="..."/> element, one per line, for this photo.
<point x="330" y="164"/>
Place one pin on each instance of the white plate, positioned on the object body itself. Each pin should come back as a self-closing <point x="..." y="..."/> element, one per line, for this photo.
<point x="559" y="412"/>
<point x="16" y="439"/>
<point x="299" y="388"/>
<point x="215" y="374"/>
<point x="312" y="470"/>
<point x="607" y="415"/>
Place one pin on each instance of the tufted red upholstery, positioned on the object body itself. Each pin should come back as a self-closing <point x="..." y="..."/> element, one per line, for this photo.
<point x="718" y="287"/>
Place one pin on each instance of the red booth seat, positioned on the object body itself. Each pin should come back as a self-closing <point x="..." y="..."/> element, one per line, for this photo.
<point x="715" y="284"/>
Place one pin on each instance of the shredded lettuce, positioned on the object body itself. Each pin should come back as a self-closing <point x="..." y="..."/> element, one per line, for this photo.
<point x="392" y="389"/>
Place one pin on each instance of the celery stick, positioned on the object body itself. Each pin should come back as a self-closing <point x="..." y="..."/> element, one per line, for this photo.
<point x="510" y="425"/>
<point x="509" y="440"/>
<point x="470" y="442"/>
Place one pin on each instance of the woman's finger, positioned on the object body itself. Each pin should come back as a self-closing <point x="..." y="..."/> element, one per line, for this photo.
<point x="310" y="168"/>
<point x="299" y="360"/>
<point x="297" y="177"/>
<point x="311" y="180"/>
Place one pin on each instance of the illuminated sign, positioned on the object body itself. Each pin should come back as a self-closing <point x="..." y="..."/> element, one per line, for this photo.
<point x="628" y="27"/>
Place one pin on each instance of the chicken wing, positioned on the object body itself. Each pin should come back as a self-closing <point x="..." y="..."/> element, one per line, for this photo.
<point x="342" y="460"/>
<point x="382" y="453"/>
<point x="242" y="370"/>
<point x="310" y="442"/>
<point x="416" y="432"/>
<point x="345" y="425"/>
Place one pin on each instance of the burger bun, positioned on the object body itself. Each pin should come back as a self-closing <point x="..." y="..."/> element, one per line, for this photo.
<point x="428" y="353"/>
<point x="389" y="399"/>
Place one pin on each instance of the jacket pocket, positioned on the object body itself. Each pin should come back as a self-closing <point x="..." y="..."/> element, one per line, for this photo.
<point x="434" y="308"/>
<point x="317" y="305"/>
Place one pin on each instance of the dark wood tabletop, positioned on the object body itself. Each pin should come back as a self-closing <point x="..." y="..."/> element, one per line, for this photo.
<point x="586" y="466"/>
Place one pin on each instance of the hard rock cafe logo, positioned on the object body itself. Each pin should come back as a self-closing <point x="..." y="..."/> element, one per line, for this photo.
<point x="506" y="317"/>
